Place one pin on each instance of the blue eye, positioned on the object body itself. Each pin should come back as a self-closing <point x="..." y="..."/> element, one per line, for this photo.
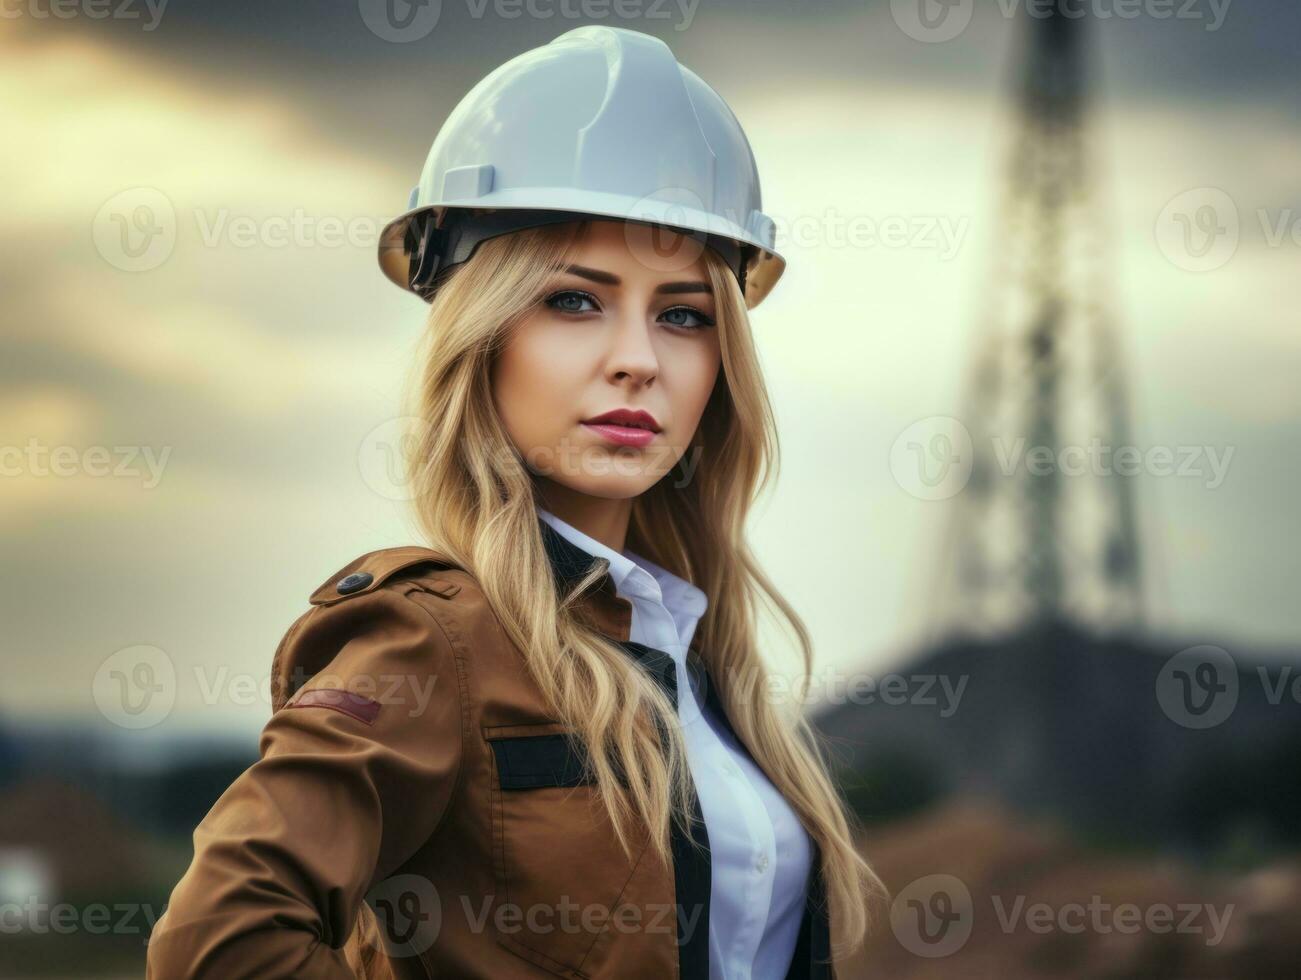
<point x="703" y="320"/>
<point x="562" y="300"/>
<point x="572" y="300"/>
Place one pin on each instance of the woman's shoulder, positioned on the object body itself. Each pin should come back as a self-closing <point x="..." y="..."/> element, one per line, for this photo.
<point x="380" y="602"/>
<point x="384" y="578"/>
<point x="414" y="565"/>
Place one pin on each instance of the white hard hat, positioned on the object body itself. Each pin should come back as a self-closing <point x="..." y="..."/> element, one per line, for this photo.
<point x="601" y="122"/>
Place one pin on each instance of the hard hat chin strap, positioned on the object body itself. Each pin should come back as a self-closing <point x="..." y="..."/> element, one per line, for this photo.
<point x="434" y="251"/>
<point x="424" y="244"/>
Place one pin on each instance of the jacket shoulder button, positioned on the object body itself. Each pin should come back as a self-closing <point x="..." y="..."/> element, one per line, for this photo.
<point x="354" y="582"/>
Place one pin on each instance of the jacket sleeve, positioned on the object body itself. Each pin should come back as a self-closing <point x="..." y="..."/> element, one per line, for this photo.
<point x="346" y="789"/>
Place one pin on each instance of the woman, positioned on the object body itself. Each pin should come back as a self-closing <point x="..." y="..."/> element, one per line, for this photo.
<point x="544" y="744"/>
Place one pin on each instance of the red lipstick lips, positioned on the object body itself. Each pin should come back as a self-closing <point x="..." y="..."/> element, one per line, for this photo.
<point x="625" y="426"/>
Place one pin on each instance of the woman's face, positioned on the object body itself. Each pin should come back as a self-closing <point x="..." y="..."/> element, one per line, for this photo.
<point x="612" y="333"/>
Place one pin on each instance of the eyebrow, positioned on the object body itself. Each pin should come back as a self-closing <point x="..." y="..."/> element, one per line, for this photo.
<point x="596" y="275"/>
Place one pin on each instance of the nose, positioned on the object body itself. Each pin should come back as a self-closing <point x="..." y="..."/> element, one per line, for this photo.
<point x="631" y="356"/>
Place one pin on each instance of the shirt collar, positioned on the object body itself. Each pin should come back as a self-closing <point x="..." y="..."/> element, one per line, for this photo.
<point x="633" y="574"/>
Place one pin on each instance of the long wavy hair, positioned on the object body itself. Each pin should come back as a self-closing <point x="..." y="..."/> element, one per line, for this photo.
<point x="475" y="500"/>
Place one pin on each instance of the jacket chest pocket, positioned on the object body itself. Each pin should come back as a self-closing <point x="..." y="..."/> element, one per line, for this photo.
<point x="560" y="872"/>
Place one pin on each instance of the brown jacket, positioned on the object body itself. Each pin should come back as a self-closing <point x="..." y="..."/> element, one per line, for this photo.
<point x="410" y="763"/>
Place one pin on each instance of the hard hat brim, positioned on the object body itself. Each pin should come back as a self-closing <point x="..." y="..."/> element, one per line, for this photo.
<point x="764" y="269"/>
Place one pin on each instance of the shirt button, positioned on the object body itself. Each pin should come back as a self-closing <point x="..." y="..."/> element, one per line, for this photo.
<point x="762" y="864"/>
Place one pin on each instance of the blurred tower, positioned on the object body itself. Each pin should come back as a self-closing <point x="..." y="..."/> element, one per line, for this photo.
<point x="1044" y="529"/>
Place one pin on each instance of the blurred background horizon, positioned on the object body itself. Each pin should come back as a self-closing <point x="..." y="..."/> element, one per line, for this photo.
<point x="202" y="364"/>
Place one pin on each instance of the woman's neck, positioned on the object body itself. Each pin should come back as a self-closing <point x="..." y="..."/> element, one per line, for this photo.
<point x="600" y="518"/>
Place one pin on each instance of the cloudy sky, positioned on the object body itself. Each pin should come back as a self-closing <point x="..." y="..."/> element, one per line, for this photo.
<point x="187" y="430"/>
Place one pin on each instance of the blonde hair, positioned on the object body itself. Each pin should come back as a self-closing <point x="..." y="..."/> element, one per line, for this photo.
<point x="474" y="500"/>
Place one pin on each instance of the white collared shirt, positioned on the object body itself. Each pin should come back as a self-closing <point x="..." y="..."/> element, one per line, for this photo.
<point x="761" y="855"/>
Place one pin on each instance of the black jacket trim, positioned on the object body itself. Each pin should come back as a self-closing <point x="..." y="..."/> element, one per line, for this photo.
<point x="534" y="761"/>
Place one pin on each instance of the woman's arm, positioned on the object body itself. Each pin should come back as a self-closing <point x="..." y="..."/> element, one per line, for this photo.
<point x="345" y="791"/>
